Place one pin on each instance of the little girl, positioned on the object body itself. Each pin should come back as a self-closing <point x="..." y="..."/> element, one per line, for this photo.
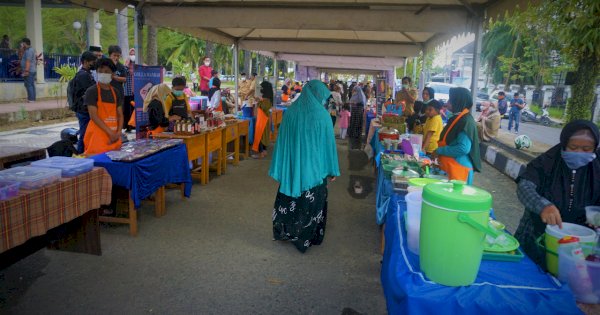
<point x="344" y="119"/>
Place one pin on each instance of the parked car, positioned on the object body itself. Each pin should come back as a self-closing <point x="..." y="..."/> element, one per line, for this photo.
<point x="442" y="90"/>
<point x="169" y="74"/>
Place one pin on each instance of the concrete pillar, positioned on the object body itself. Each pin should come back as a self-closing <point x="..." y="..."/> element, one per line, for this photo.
<point x="33" y="9"/>
<point x="93" y="34"/>
<point x="414" y="76"/>
<point x="476" y="59"/>
<point x="275" y="74"/>
<point x="123" y="31"/>
<point x="596" y="114"/>
<point x="152" y="53"/>
<point x="423" y="71"/>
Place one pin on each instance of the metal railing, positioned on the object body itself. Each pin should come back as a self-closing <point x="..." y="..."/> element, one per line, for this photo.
<point x="10" y="65"/>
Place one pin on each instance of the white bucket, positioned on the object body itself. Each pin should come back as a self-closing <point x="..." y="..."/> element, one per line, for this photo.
<point x="413" y="219"/>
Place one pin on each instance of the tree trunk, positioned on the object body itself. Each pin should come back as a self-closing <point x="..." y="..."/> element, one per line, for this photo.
<point x="580" y="104"/>
<point x="152" y="49"/>
<point x="247" y="57"/>
<point x="123" y="32"/>
<point x="514" y="51"/>
<point x="210" y="49"/>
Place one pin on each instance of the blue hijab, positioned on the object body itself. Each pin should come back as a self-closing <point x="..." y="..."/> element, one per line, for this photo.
<point x="305" y="152"/>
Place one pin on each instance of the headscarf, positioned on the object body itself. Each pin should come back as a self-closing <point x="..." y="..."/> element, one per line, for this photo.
<point x="216" y="86"/>
<point x="358" y="96"/>
<point x="430" y="91"/>
<point x="552" y="177"/>
<point x="158" y="92"/>
<point x="266" y="89"/>
<point x="305" y="152"/>
<point x="460" y="99"/>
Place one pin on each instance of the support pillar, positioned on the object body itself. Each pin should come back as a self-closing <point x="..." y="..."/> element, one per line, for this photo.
<point x="423" y="72"/>
<point x="236" y="70"/>
<point x="33" y="9"/>
<point x="123" y="31"/>
<point x="476" y="59"/>
<point x="93" y="34"/>
<point x="405" y="65"/>
<point x="275" y="74"/>
<point x="414" y="76"/>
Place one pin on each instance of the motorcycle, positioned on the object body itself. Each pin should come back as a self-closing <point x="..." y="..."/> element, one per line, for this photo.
<point x="527" y="115"/>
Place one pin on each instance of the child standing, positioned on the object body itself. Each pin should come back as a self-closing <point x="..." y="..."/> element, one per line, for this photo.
<point x="344" y="120"/>
<point x="433" y="127"/>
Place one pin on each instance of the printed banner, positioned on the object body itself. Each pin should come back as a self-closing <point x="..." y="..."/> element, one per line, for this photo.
<point x="144" y="77"/>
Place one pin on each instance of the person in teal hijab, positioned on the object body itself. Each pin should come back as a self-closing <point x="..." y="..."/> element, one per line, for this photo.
<point x="305" y="156"/>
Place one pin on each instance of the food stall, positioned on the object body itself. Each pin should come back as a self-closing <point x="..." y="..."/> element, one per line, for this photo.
<point x="52" y="205"/>
<point x="140" y="167"/>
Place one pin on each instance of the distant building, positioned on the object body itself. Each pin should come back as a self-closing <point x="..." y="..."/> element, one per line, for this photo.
<point x="461" y="67"/>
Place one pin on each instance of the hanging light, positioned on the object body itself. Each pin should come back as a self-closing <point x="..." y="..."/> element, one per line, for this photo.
<point x="98" y="26"/>
<point x="77" y="25"/>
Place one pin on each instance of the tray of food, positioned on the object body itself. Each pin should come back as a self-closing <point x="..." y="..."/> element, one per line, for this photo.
<point x="136" y="150"/>
<point x="31" y="177"/>
<point x="69" y="166"/>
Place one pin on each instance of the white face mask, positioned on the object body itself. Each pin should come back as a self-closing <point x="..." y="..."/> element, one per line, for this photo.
<point x="132" y="58"/>
<point x="243" y="78"/>
<point x="207" y="63"/>
<point x="104" y="78"/>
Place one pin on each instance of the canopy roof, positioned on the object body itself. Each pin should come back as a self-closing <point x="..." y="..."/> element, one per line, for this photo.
<point x="357" y="28"/>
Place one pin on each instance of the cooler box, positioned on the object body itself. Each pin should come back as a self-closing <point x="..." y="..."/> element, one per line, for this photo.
<point x="203" y="103"/>
<point x="30" y="177"/>
<point x="195" y="102"/>
<point x="69" y="166"/>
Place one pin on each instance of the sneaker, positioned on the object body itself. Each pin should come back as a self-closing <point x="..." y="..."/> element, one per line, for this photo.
<point x="516" y="132"/>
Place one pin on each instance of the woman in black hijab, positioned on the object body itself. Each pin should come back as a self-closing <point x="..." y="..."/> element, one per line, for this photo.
<point x="214" y="94"/>
<point x="558" y="185"/>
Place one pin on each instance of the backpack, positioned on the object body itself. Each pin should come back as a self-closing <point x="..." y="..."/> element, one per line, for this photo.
<point x="72" y="95"/>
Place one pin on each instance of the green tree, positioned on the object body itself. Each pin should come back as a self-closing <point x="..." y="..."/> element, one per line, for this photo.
<point x="188" y="49"/>
<point x="576" y="24"/>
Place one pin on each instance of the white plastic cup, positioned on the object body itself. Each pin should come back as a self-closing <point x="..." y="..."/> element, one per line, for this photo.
<point x="413" y="220"/>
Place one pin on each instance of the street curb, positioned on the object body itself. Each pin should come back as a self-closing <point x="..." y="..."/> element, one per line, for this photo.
<point x="502" y="161"/>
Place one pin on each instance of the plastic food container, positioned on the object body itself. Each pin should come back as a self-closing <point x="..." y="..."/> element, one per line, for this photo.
<point x="592" y="215"/>
<point x="413" y="220"/>
<point x="9" y="190"/>
<point x="586" y="236"/>
<point x="70" y="167"/>
<point x="31" y="177"/>
<point x="583" y="277"/>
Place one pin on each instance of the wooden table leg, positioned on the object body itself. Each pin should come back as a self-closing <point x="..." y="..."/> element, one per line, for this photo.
<point x="133" y="227"/>
<point x="236" y="151"/>
<point x="382" y="229"/>
<point x="220" y="162"/>
<point x="159" y="202"/>
<point x="182" y="188"/>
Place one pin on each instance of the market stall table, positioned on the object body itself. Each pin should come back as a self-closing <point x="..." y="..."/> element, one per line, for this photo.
<point x="70" y="201"/>
<point x="500" y="287"/>
<point x="230" y="134"/>
<point x="146" y="176"/>
<point x="10" y="155"/>
<point x="196" y="150"/>
<point x="244" y="132"/>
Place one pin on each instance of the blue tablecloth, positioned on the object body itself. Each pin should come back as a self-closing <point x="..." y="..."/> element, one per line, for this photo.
<point x="500" y="287"/>
<point x="369" y="116"/>
<point x="251" y="125"/>
<point x="145" y="176"/>
<point x="384" y="193"/>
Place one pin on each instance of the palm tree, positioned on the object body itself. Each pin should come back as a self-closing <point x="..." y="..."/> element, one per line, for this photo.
<point x="188" y="49"/>
<point x="500" y="40"/>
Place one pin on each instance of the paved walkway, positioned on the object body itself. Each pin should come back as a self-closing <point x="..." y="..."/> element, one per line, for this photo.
<point x="37" y="105"/>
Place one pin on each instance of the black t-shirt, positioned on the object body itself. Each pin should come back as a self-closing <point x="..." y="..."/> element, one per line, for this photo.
<point x="91" y="96"/>
<point x="120" y="72"/>
<point x="156" y="115"/>
<point x="83" y="80"/>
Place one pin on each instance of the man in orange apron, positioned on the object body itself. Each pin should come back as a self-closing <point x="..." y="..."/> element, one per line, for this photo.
<point x="458" y="151"/>
<point x="106" y="114"/>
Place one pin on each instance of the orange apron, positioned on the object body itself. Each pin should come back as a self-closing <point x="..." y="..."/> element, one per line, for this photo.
<point x="156" y="131"/>
<point x="285" y="97"/>
<point x="132" y="119"/>
<point x="261" y="123"/>
<point x="220" y="107"/>
<point x="448" y="164"/>
<point x="96" y="141"/>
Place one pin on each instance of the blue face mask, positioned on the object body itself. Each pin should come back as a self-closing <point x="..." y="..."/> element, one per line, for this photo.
<point x="177" y="93"/>
<point x="575" y="160"/>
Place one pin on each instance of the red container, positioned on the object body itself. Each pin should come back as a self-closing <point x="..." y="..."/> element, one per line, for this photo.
<point x="388" y="133"/>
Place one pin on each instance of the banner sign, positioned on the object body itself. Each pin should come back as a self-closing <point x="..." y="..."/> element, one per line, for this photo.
<point x="144" y="77"/>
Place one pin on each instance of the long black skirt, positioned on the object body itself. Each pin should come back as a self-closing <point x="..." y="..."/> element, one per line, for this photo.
<point x="301" y="220"/>
<point x="356" y="120"/>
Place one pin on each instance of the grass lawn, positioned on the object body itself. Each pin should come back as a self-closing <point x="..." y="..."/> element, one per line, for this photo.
<point x="555" y="112"/>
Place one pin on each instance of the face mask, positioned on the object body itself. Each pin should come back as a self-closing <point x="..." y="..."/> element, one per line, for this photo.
<point x="207" y="63"/>
<point x="132" y="58"/>
<point x="405" y="86"/>
<point x="178" y="93"/>
<point x="243" y="78"/>
<point x="575" y="160"/>
<point x="104" y="78"/>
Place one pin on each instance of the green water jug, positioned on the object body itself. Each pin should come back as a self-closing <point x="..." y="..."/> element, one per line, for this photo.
<point x="454" y="220"/>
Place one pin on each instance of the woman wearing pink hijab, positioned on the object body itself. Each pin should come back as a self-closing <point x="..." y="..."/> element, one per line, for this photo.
<point x="128" y="107"/>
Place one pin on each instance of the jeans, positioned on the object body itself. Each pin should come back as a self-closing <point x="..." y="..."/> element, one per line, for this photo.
<point x="84" y="120"/>
<point x="30" y="86"/>
<point x="514" y="115"/>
